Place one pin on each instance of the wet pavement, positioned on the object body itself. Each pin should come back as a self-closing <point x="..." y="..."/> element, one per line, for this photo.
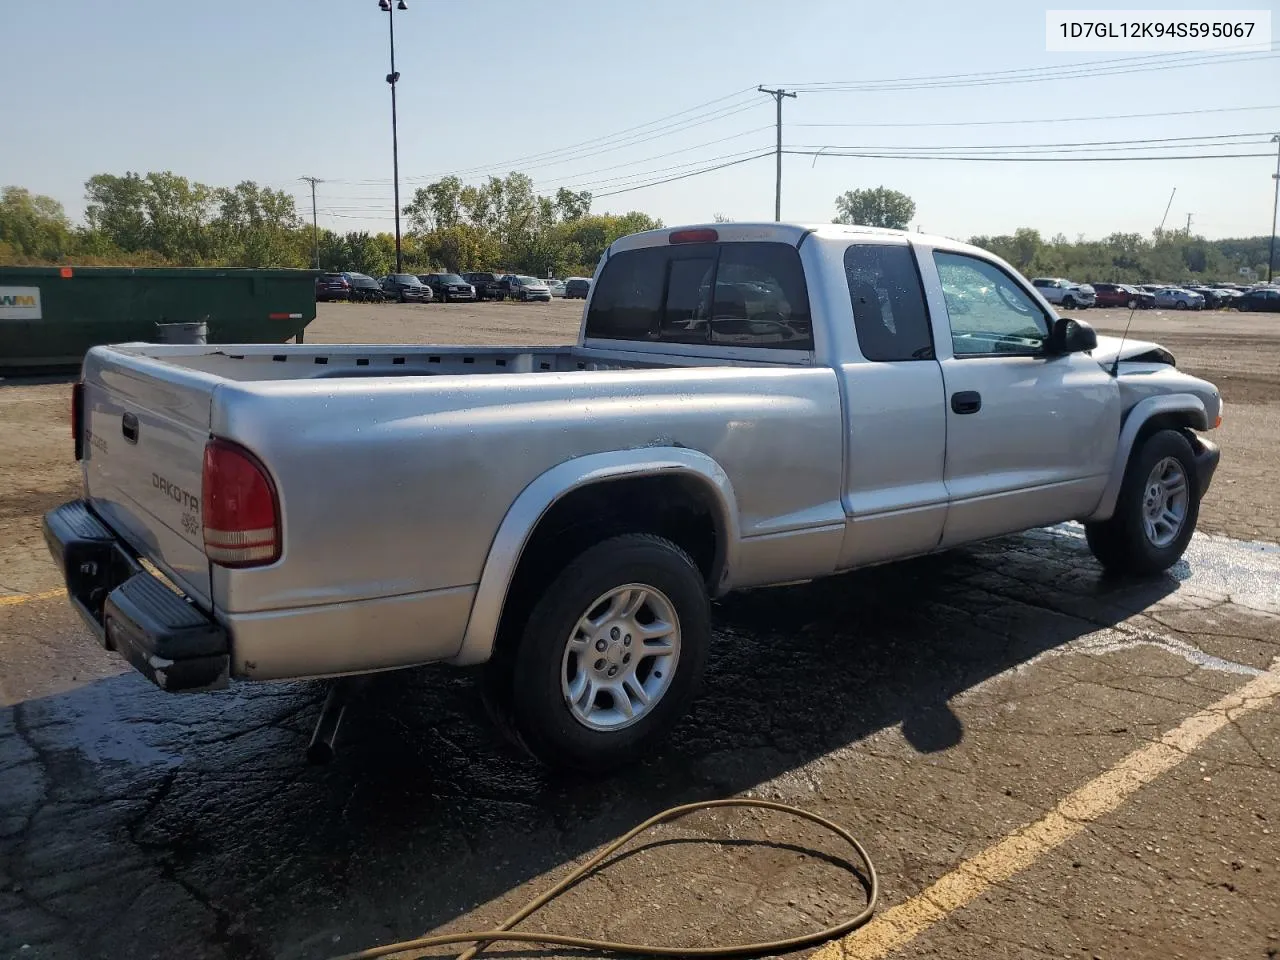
<point x="932" y="707"/>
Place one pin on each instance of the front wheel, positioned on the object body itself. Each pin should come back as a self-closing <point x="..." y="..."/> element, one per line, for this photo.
<point x="610" y="657"/>
<point x="1180" y="305"/>
<point x="1132" y="304"/>
<point x="1156" y="511"/>
<point x="1068" y="303"/>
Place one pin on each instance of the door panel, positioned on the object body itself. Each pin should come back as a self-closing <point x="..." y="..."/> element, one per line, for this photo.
<point x="1030" y="436"/>
<point x="1039" y="449"/>
<point x="894" y="495"/>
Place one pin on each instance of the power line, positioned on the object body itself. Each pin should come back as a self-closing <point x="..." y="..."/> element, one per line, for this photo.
<point x="1000" y="123"/>
<point x="1077" y="146"/>
<point x="694" y="173"/>
<point x="1122" y="65"/>
<point x="998" y="159"/>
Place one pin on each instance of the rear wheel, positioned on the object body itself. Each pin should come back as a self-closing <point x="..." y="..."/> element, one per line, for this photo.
<point x="610" y="658"/>
<point x="1156" y="511"/>
<point x="1069" y="303"/>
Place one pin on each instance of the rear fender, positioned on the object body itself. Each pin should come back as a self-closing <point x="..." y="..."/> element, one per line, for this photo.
<point x="539" y="496"/>
<point x="1184" y="407"/>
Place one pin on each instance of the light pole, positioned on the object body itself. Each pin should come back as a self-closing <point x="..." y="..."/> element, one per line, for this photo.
<point x="390" y="10"/>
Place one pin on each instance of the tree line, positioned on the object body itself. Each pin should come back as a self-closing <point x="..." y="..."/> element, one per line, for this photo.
<point x="161" y="219"/>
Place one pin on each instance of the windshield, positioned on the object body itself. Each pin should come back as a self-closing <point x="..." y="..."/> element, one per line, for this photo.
<point x="529" y="280"/>
<point x="450" y="278"/>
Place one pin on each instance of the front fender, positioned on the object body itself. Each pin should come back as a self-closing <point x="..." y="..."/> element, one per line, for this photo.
<point x="1185" y="405"/>
<point x="540" y="495"/>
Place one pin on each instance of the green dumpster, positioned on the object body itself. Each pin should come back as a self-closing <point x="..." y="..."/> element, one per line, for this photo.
<point x="49" y="316"/>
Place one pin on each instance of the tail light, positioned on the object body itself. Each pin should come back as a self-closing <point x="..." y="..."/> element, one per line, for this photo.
<point x="77" y="418"/>
<point x="239" y="508"/>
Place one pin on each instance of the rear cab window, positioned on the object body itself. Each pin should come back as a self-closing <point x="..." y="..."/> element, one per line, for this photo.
<point x="889" y="311"/>
<point x="748" y="294"/>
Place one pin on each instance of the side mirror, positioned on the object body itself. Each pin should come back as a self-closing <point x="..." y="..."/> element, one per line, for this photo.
<point x="1071" y="336"/>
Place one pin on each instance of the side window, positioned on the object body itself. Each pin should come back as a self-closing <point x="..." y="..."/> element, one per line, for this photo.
<point x="628" y="299"/>
<point x="988" y="311"/>
<point x="761" y="299"/>
<point x="888" y="305"/>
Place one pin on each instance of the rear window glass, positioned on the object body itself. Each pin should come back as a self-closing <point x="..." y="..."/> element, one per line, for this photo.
<point x="739" y="294"/>
<point x="888" y="305"/>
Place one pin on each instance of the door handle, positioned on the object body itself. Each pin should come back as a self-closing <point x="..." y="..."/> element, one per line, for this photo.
<point x="129" y="427"/>
<point x="966" y="401"/>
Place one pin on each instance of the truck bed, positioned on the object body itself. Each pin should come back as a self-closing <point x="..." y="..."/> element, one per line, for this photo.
<point x="249" y="363"/>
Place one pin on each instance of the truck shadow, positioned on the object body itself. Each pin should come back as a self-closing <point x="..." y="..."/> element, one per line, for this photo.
<point x="205" y="804"/>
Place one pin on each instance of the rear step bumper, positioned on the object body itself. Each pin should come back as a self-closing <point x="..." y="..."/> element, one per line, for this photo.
<point x="163" y="635"/>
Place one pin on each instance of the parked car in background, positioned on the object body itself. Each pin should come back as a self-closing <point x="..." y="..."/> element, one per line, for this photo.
<point x="1064" y="293"/>
<point x="332" y="286"/>
<point x="406" y="288"/>
<point x="1214" y="297"/>
<point x="556" y="287"/>
<point x="502" y="286"/>
<point x="485" y="285"/>
<point x="577" y="288"/>
<point x="529" y="288"/>
<point x="1179" y="299"/>
<point x="448" y="286"/>
<point x="364" y="288"/>
<point x="1121" y="295"/>
<point x="1261" y="299"/>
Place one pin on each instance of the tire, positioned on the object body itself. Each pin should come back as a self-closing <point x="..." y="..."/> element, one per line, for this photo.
<point x="1132" y="304"/>
<point x="1180" y="305"/>
<point x="444" y="296"/>
<point x="596" y="738"/>
<point x="1122" y="544"/>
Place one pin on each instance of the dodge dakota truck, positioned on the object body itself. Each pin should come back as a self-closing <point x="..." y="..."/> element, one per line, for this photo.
<point x="746" y="404"/>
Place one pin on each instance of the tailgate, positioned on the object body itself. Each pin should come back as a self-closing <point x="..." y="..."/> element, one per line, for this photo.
<point x="146" y="423"/>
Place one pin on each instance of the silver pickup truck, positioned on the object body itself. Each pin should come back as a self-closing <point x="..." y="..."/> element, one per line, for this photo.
<point x="747" y="404"/>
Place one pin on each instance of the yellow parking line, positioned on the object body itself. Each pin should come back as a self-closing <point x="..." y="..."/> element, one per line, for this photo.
<point x="898" y="926"/>
<point x="13" y="601"/>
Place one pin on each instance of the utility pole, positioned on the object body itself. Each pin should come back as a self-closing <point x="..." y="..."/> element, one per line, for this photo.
<point x="315" y="223"/>
<point x="1271" y="254"/>
<point x="777" y="194"/>
<point x="1188" y="224"/>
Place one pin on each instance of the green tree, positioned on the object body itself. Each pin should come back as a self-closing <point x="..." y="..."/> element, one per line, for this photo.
<point x="33" y="227"/>
<point x="875" y="207"/>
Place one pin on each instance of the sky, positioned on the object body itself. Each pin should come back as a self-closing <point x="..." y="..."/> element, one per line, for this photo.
<point x="608" y="94"/>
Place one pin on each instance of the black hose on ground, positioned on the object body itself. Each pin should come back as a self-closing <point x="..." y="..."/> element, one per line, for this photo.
<point x="503" y="932"/>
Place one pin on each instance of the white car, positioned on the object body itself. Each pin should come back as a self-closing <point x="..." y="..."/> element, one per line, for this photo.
<point x="556" y="287"/>
<point x="529" y="288"/>
<point x="1064" y="293"/>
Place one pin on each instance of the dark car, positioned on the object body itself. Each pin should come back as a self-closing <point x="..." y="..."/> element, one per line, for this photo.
<point x="364" y="288"/>
<point x="485" y="284"/>
<point x="406" y="288"/>
<point x="448" y="286"/>
<point x="500" y="289"/>
<point x="577" y="288"/>
<point x="332" y="286"/>
<point x="1214" y="297"/>
<point x="1121" y="295"/>
<point x="1260" y="299"/>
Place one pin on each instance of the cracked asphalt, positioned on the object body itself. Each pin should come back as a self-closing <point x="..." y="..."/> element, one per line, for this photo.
<point x="933" y="707"/>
